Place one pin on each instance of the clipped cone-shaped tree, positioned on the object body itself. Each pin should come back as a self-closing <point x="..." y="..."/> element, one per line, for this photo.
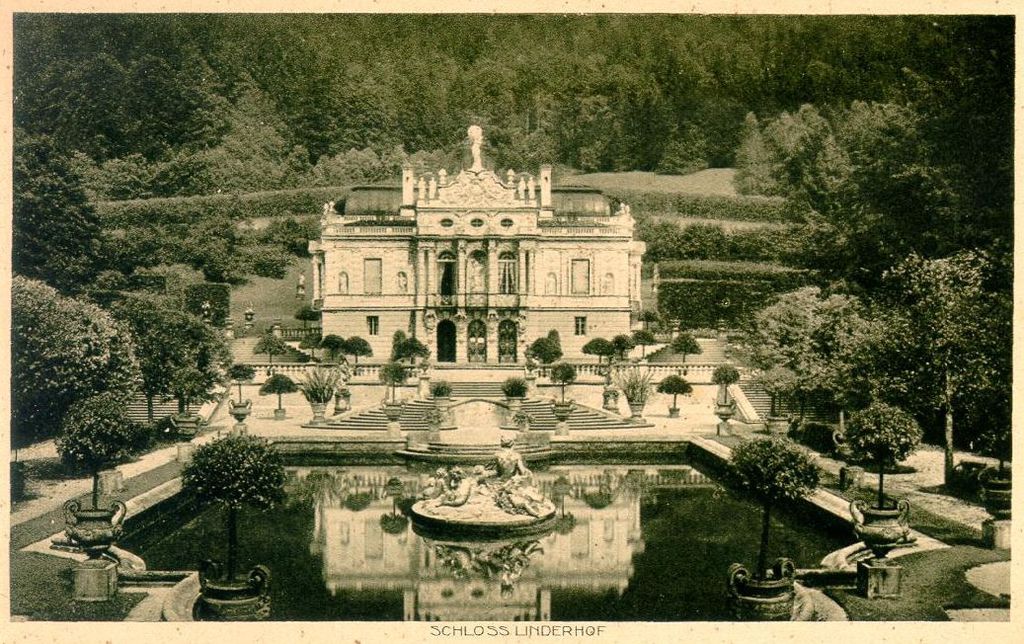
<point x="279" y="384"/>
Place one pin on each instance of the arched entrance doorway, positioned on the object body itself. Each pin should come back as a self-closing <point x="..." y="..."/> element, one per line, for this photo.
<point x="446" y="341"/>
<point x="476" y="336"/>
<point x="508" y="338"/>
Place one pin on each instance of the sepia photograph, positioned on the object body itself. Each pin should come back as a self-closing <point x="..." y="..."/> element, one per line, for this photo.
<point x="519" y="326"/>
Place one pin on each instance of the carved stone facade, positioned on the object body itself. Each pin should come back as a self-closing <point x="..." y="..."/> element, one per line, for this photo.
<point x="475" y="266"/>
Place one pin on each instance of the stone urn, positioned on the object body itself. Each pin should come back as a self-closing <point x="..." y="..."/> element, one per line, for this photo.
<point x="319" y="413"/>
<point x="342" y="400"/>
<point x="769" y="599"/>
<point x="776" y="425"/>
<point x="240" y="411"/>
<point x="563" y="409"/>
<point x="636" y="410"/>
<point x="93" y="530"/>
<point x="393" y="411"/>
<point x="610" y="398"/>
<point x="236" y="600"/>
<point x="996" y="492"/>
<point x="881" y="529"/>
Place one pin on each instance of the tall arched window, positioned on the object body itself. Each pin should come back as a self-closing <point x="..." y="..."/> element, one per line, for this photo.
<point x="508" y="273"/>
<point x="446" y="282"/>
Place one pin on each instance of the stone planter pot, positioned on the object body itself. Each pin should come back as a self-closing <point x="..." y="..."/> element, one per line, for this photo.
<point x="342" y="401"/>
<point x="319" y="413"/>
<point x="762" y="599"/>
<point x="241" y="411"/>
<point x="233" y="601"/>
<point x="673" y="412"/>
<point x="563" y="410"/>
<point x="881" y="529"/>
<point x="279" y="414"/>
<point x="636" y="410"/>
<point x="610" y="399"/>
<point x="93" y="530"/>
<point x="393" y="411"/>
<point x="724" y="411"/>
<point x="187" y="424"/>
<point x="996" y="492"/>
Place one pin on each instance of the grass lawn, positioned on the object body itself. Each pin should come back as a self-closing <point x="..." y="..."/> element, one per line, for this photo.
<point x="714" y="181"/>
<point x="932" y="581"/>
<point x="272" y="298"/>
<point x="44" y="592"/>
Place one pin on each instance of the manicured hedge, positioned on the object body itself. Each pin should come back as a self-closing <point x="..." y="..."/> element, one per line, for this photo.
<point x="705" y="206"/>
<point x="218" y="295"/>
<point x="189" y="210"/>
<point x="782" y="276"/>
<point x="703" y="303"/>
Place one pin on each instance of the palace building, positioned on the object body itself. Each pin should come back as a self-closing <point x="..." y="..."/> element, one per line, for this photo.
<point x="476" y="265"/>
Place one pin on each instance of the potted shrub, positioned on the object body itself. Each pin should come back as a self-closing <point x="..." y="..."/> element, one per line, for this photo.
<point x="623" y="344"/>
<point x="334" y="347"/>
<point x="239" y="373"/>
<point x="522" y="420"/>
<point x="234" y="472"/>
<point x="643" y="339"/>
<point x="997" y="442"/>
<point x="392" y="374"/>
<point x="563" y="374"/>
<point x="342" y="398"/>
<point x="441" y="390"/>
<point x="885" y="435"/>
<point x="723" y="376"/>
<point x="603" y="349"/>
<point x="777" y="383"/>
<point x="278" y="384"/>
<point x="319" y="387"/>
<point x="637" y="385"/>
<point x="773" y="471"/>
<point x="685" y="344"/>
<point x="358" y="347"/>
<point x="676" y="386"/>
<point x="514" y="389"/>
<point x="96" y="432"/>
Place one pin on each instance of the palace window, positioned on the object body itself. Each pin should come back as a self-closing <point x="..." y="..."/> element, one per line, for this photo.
<point x="372" y="276"/>
<point x="581" y="326"/>
<point x="507" y="273"/>
<point x="581" y="277"/>
<point x="372" y="324"/>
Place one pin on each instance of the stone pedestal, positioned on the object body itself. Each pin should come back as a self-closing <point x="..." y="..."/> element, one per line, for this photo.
<point x="95" y="580"/>
<point x="562" y="428"/>
<point x="185" y="451"/>
<point x="111" y="481"/>
<point x="239" y="429"/>
<point x="531" y="384"/>
<point x="423" y="388"/>
<point x="996" y="534"/>
<point x="879" y="578"/>
<point x="851" y="476"/>
<point x="394" y="429"/>
<point x="722" y="429"/>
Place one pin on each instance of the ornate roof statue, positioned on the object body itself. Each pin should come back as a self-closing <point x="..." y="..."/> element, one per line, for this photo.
<point x="476" y="139"/>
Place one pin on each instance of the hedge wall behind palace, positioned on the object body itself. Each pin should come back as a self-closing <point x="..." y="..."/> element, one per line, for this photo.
<point x="704" y="294"/>
<point x="189" y="210"/>
<point x="739" y="208"/>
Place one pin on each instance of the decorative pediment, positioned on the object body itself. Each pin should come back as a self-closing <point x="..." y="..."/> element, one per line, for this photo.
<point x="482" y="190"/>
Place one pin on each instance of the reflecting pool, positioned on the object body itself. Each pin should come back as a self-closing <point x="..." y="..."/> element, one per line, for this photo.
<point x="641" y="542"/>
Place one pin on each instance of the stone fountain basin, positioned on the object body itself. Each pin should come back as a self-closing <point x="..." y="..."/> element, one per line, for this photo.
<point x="477" y="518"/>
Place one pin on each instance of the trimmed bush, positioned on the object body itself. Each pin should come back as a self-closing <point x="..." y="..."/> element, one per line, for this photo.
<point x="883" y="434"/>
<point x="514" y="387"/>
<point x="190" y="210"/>
<point x="440" y="389"/>
<point x="705" y="206"/>
<point x="546" y="349"/>
<point x="707" y="303"/>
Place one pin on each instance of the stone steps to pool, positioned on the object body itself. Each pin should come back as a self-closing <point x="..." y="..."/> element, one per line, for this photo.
<point x="540" y="410"/>
<point x="816" y="409"/>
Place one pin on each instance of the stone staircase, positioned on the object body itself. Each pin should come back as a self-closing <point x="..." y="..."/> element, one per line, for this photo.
<point x="477" y="390"/>
<point x="817" y="410"/>
<point x="712" y="351"/>
<point x="540" y="410"/>
<point x="137" y="409"/>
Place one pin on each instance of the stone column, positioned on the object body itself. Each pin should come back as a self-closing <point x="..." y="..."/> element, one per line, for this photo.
<point x="492" y="268"/>
<point x="463" y="267"/>
<point x="492" y="339"/>
<point x="461" y="345"/>
<point x="317" y="269"/>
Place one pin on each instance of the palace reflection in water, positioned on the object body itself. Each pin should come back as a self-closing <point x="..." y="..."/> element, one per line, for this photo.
<point x="367" y="544"/>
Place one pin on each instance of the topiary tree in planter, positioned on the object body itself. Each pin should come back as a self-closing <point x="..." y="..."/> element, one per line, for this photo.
<point x="391" y="375"/>
<point x="676" y="386"/>
<point x="623" y="344"/>
<point x="235" y="472"/>
<point x="644" y="338"/>
<point x="96" y="432"/>
<point x="547" y="349"/>
<point x="564" y="374"/>
<point x="686" y="344"/>
<point x="884" y="435"/>
<point x="773" y="471"/>
<point x="271" y="345"/>
<point x="603" y="349"/>
<point x="358" y="347"/>
<point x="239" y="373"/>
<point x="278" y="384"/>
<point x="334" y="347"/>
<point x="441" y="389"/>
<point x="778" y="382"/>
